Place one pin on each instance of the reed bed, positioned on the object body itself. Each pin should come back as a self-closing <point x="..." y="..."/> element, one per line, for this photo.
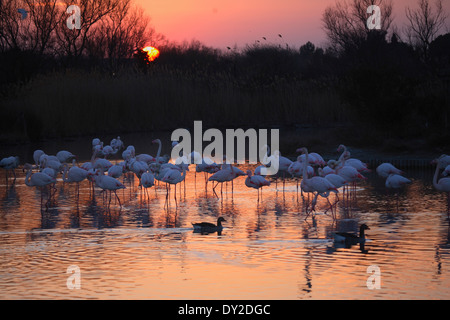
<point x="78" y="102"/>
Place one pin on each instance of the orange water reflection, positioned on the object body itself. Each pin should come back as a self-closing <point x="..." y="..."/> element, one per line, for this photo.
<point x="269" y="249"/>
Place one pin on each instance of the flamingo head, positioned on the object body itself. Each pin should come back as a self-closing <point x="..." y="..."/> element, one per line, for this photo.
<point x="302" y="150"/>
<point x="341" y="148"/>
<point x="332" y="163"/>
<point x="27" y="167"/>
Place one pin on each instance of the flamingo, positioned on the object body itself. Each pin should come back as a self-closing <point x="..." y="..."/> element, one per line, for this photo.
<point x="37" y="155"/>
<point x="283" y="165"/>
<point x="132" y="151"/>
<point x="385" y="169"/>
<point x="116" y="143"/>
<point x="223" y="175"/>
<point x="313" y="158"/>
<point x="108" y="151"/>
<point x="337" y="180"/>
<point x="127" y="154"/>
<point x="96" y="142"/>
<point x="330" y="167"/>
<point x="138" y="167"/>
<point x="443" y="161"/>
<point x="65" y="156"/>
<point x="357" y="164"/>
<point x="349" y="173"/>
<point x="116" y="170"/>
<point x="318" y="185"/>
<point x="159" y="159"/>
<point x="443" y="185"/>
<point x="396" y="181"/>
<point x="446" y="171"/>
<point x="147" y="181"/>
<point x="174" y="177"/>
<point x="10" y="163"/>
<point x="296" y="168"/>
<point x="102" y="164"/>
<point x="51" y="162"/>
<point x="108" y="183"/>
<point x="75" y="174"/>
<point x="145" y="158"/>
<point x="49" y="171"/>
<point x="38" y="179"/>
<point x="207" y="166"/>
<point x="256" y="182"/>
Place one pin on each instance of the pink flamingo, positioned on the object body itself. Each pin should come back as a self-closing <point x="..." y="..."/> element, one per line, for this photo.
<point x="256" y="182"/>
<point x="443" y="185"/>
<point x="385" y="169"/>
<point x="446" y="171"/>
<point x="108" y="183"/>
<point x="147" y="181"/>
<point x="38" y="179"/>
<point x="396" y="181"/>
<point x="65" y="156"/>
<point x="74" y="174"/>
<point x="174" y="176"/>
<point x="318" y="185"/>
<point x="10" y="164"/>
<point x="223" y="175"/>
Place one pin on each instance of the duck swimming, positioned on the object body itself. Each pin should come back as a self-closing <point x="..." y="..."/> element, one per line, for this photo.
<point x="351" y="237"/>
<point x="207" y="227"/>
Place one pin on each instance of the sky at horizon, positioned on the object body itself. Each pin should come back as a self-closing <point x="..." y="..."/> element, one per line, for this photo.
<point x="222" y="23"/>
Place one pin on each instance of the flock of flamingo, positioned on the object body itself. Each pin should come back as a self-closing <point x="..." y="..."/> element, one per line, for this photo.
<point x="318" y="177"/>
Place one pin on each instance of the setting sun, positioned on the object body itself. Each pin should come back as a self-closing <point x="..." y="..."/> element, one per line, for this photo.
<point x="152" y="53"/>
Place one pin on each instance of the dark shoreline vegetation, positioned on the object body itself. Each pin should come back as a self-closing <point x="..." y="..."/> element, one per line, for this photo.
<point x="377" y="92"/>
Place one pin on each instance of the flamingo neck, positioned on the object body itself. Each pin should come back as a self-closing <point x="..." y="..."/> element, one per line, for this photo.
<point x="305" y="165"/>
<point x="435" y="178"/>
<point x="341" y="160"/>
<point x="159" y="149"/>
<point x="27" y="178"/>
<point x="94" y="155"/>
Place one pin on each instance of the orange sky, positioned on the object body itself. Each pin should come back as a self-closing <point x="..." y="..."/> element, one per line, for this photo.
<point x="221" y="23"/>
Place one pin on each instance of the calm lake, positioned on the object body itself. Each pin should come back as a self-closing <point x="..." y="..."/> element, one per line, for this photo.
<point x="268" y="249"/>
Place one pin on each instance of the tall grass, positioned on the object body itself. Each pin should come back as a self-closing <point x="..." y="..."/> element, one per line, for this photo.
<point x="81" y="103"/>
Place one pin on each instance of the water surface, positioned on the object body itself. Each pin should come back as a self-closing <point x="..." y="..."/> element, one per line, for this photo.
<point x="269" y="249"/>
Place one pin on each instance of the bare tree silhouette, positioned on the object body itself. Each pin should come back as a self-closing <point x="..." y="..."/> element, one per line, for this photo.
<point x="345" y="23"/>
<point x="425" y="24"/>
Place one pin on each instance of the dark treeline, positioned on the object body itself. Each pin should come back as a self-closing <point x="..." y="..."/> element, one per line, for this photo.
<point x="377" y="86"/>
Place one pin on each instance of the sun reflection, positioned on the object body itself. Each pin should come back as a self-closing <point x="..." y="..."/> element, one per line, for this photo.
<point x="152" y="53"/>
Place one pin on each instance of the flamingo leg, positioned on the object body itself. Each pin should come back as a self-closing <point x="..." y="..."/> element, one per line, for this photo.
<point x="117" y="198"/>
